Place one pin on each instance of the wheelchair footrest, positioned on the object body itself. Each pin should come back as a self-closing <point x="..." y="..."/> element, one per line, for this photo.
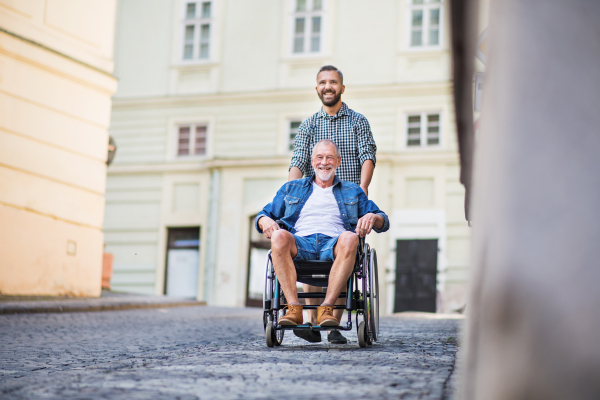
<point x="337" y="307"/>
<point x="314" y="328"/>
<point x="317" y="295"/>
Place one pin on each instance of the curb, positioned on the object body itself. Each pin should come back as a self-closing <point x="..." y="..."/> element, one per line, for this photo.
<point x="19" y="309"/>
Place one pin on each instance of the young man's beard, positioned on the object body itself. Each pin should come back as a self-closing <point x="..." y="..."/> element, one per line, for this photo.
<point x="332" y="102"/>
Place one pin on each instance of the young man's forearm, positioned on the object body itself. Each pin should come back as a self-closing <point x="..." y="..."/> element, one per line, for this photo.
<point x="366" y="173"/>
<point x="294" y="174"/>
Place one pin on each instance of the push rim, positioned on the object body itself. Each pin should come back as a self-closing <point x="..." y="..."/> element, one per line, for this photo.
<point x="373" y="296"/>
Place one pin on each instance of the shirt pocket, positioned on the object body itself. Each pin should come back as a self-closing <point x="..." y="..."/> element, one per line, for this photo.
<point x="352" y="209"/>
<point x="291" y="205"/>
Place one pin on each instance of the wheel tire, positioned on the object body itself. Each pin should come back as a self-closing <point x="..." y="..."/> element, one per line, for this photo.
<point x="362" y="334"/>
<point x="373" y="297"/>
<point x="270" y="334"/>
<point x="267" y="292"/>
<point x="277" y="334"/>
<point x="266" y="315"/>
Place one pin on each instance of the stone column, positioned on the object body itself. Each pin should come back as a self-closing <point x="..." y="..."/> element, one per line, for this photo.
<point x="534" y="311"/>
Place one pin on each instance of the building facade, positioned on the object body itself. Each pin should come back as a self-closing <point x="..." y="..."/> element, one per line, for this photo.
<point x="211" y="94"/>
<point x="56" y="61"/>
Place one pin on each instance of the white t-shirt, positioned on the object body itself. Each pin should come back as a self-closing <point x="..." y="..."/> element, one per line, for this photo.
<point x="320" y="214"/>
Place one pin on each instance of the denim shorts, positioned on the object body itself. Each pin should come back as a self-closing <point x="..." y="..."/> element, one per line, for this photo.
<point x="315" y="247"/>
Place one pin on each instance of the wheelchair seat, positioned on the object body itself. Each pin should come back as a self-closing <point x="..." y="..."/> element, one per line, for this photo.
<point x="314" y="272"/>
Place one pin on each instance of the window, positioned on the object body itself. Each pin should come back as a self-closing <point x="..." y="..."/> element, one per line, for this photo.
<point x="191" y="140"/>
<point x="423" y="130"/>
<point x="294" y="125"/>
<point x="425" y="22"/>
<point x="308" y="26"/>
<point x="197" y="30"/>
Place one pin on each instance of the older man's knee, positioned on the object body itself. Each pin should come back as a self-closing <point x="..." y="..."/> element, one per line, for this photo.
<point x="348" y="241"/>
<point x="280" y="240"/>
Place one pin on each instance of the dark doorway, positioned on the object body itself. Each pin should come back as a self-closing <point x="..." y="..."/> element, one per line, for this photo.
<point x="416" y="275"/>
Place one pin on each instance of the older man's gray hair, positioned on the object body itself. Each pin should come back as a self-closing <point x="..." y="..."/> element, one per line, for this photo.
<point x="329" y="142"/>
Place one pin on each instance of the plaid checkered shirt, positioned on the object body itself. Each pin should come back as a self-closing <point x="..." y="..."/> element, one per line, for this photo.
<point x="348" y="129"/>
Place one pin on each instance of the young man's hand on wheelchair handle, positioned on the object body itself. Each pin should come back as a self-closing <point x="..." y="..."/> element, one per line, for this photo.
<point x="268" y="226"/>
<point x="366" y="223"/>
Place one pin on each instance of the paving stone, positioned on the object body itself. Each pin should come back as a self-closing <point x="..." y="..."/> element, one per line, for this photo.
<point x="216" y="353"/>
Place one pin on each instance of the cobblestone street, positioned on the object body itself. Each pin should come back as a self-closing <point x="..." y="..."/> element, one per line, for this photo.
<point x="216" y="353"/>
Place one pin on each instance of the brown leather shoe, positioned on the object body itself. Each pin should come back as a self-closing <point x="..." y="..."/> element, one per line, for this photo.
<point x="293" y="316"/>
<point x="325" y="316"/>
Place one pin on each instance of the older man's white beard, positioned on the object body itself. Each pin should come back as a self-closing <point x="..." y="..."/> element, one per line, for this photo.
<point x="325" y="175"/>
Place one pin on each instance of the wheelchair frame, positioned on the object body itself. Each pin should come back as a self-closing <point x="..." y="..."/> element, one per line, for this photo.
<point x="364" y="302"/>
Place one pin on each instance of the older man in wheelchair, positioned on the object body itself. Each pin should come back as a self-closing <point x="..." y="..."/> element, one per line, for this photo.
<point x="318" y="218"/>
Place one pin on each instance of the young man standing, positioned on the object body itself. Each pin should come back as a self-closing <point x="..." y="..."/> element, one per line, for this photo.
<point x="352" y="134"/>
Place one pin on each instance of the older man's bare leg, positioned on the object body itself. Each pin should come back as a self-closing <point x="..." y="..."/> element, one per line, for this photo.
<point x="344" y="253"/>
<point x="283" y="250"/>
<point x="312" y="314"/>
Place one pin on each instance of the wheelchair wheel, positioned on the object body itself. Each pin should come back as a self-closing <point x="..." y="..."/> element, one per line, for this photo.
<point x="268" y="291"/>
<point x="362" y="334"/>
<point x="270" y="334"/>
<point x="273" y="337"/>
<point x="279" y="333"/>
<point x="373" y="296"/>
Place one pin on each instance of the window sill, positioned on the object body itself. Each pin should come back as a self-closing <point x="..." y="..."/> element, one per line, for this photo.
<point x="308" y="57"/>
<point x="424" y="51"/>
<point x="413" y="149"/>
<point x="194" y="65"/>
<point x="186" y="159"/>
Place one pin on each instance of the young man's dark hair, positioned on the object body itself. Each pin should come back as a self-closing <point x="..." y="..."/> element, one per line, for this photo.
<point x="331" y="68"/>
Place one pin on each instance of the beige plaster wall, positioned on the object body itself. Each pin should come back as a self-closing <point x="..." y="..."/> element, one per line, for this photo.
<point x="55" y="102"/>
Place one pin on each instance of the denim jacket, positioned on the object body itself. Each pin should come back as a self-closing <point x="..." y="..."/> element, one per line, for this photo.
<point x="291" y="197"/>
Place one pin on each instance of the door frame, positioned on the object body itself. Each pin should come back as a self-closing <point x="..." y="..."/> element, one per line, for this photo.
<point x="262" y="243"/>
<point x="415" y="224"/>
<point x="167" y="248"/>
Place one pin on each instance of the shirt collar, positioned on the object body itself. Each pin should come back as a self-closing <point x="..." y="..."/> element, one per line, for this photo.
<point x="341" y="111"/>
<point x="336" y="180"/>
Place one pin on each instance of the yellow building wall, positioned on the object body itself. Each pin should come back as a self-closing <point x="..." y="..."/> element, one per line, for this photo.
<point x="55" y="100"/>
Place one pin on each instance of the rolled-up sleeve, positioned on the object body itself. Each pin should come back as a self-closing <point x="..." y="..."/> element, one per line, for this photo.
<point x="366" y="206"/>
<point x="366" y="143"/>
<point x="301" y="155"/>
<point x="274" y="210"/>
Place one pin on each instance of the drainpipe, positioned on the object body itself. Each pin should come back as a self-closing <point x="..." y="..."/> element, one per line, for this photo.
<point x="210" y="262"/>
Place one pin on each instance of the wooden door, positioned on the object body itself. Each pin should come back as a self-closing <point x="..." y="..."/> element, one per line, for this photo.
<point x="416" y="275"/>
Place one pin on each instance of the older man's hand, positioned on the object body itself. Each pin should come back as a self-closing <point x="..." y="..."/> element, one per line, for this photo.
<point x="268" y="226"/>
<point x="367" y="222"/>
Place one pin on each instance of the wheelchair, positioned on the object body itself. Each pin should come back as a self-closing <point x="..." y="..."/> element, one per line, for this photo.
<point x="362" y="296"/>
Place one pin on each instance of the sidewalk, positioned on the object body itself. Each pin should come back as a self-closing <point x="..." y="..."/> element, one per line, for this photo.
<point x="106" y="302"/>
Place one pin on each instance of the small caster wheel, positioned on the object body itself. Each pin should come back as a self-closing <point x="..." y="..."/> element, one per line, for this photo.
<point x="273" y="337"/>
<point x="270" y="334"/>
<point x="362" y="334"/>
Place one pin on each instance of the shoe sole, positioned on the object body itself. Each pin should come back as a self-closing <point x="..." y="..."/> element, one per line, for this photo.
<point x="338" y="341"/>
<point x="309" y="336"/>
<point x="286" y="322"/>
<point x="329" y="322"/>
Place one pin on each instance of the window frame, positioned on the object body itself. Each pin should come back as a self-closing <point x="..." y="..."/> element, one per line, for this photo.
<point x="197" y="22"/>
<point x="308" y="15"/>
<point x="290" y="144"/>
<point x="174" y="153"/>
<point x="423" y="131"/>
<point x="426" y="7"/>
